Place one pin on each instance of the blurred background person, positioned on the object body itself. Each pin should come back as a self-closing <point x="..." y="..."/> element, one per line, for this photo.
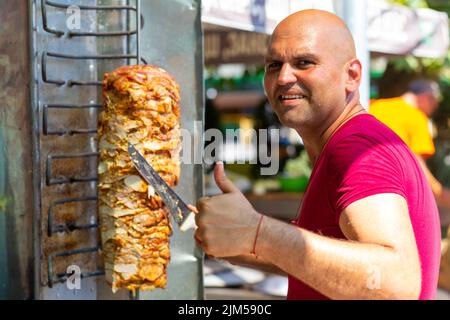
<point x="408" y="116"/>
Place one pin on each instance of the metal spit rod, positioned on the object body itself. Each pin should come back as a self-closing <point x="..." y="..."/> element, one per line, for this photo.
<point x="61" y="277"/>
<point x="71" y="33"/>
<point x="48" y="131"/>
<point x="68" y="226"/>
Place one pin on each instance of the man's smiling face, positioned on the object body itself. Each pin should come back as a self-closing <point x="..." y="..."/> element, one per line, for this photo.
<point x="305" y="72"/>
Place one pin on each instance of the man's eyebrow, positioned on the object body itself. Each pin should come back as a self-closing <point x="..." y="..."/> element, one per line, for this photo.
<point x="297" y="56"/>
<point x="306" y="56"/>
<point x="269" y="58"/>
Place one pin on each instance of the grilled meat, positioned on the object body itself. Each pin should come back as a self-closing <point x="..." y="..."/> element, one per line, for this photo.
<point x="141" y="106"/>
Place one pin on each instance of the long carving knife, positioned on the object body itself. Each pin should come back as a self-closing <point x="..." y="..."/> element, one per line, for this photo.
<point x="180" y="212"/>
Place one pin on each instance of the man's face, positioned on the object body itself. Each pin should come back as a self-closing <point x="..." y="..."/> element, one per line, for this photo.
<point x="304" y="79"/>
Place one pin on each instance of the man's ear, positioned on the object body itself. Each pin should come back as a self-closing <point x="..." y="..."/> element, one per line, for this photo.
<point x="353" y="75"/>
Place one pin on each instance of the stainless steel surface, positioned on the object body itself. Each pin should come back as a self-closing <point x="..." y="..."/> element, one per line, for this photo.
<point x="48" y="180"/>
<point x="177" y="208"/>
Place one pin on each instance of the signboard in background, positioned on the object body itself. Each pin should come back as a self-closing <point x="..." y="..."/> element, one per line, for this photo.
<point x="247" y="26"/>
<point x="247" y="15"/>
<point x="399" y="30"/>
<point x="255" y="15"/>
<point x="391" y="29"/>
<point x="234" y="46"/>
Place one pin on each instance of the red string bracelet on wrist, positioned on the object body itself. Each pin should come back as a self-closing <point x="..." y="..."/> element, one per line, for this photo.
<point x="256" y="236"/>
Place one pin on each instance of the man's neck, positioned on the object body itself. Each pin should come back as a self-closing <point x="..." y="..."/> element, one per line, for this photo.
<point x="315" y="144"/>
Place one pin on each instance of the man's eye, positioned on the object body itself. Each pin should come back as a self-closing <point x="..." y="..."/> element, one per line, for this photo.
<point x="273" y="66"/>
<point x="304" y="63"/>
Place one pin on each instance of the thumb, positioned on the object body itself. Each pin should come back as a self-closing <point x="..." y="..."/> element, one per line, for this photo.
<point x="192" y="208"/>
<point x="221" y="179"/>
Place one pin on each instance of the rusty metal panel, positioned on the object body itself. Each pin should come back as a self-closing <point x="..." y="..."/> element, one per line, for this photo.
<point x="16" y="187"/>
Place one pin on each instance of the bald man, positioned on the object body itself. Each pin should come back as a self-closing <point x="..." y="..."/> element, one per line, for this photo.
<point x="368" y="226"/>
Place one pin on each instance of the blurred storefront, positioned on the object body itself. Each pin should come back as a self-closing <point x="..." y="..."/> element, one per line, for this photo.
<point x="236" y="33"/>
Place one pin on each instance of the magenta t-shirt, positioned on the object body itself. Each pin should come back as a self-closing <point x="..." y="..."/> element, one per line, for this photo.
<point x="364" y="158"/>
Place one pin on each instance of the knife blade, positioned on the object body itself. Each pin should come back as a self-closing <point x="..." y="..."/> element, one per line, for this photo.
<point x="179" y="210"/>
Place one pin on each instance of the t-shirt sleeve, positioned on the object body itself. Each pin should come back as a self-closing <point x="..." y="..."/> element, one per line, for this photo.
<point x="358" y="168"/>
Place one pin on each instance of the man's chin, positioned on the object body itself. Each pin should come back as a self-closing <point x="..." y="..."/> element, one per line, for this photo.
<point x="289" y="118"/>
<point x="290" y="122"/>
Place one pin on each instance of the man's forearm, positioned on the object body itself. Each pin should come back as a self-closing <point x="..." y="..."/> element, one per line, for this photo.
<point x="339" y="269"/>
<point x="257" y="263"/>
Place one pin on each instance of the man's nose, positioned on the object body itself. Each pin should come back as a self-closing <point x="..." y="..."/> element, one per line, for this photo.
<point x="286" y="75"/>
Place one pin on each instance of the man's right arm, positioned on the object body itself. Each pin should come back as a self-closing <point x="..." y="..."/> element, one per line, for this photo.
<point x="256" y="263"/>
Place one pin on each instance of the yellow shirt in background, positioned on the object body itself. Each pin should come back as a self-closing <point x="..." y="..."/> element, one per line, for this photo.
<point x="410" y="123"/>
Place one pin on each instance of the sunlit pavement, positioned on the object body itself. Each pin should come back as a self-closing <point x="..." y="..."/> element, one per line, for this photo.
<point x="443" y="295"/>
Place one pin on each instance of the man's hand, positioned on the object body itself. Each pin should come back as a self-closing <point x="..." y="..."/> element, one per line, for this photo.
<point x="227" y="222"/>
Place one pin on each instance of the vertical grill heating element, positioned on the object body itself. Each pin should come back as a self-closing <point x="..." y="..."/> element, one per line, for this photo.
<point x="66" y="149"/>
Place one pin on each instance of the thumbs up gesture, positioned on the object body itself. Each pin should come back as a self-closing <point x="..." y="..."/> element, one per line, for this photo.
<point x="226" y="222"/>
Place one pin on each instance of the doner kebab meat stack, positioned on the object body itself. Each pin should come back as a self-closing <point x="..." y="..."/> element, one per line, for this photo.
<point x="141" y="106"/>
